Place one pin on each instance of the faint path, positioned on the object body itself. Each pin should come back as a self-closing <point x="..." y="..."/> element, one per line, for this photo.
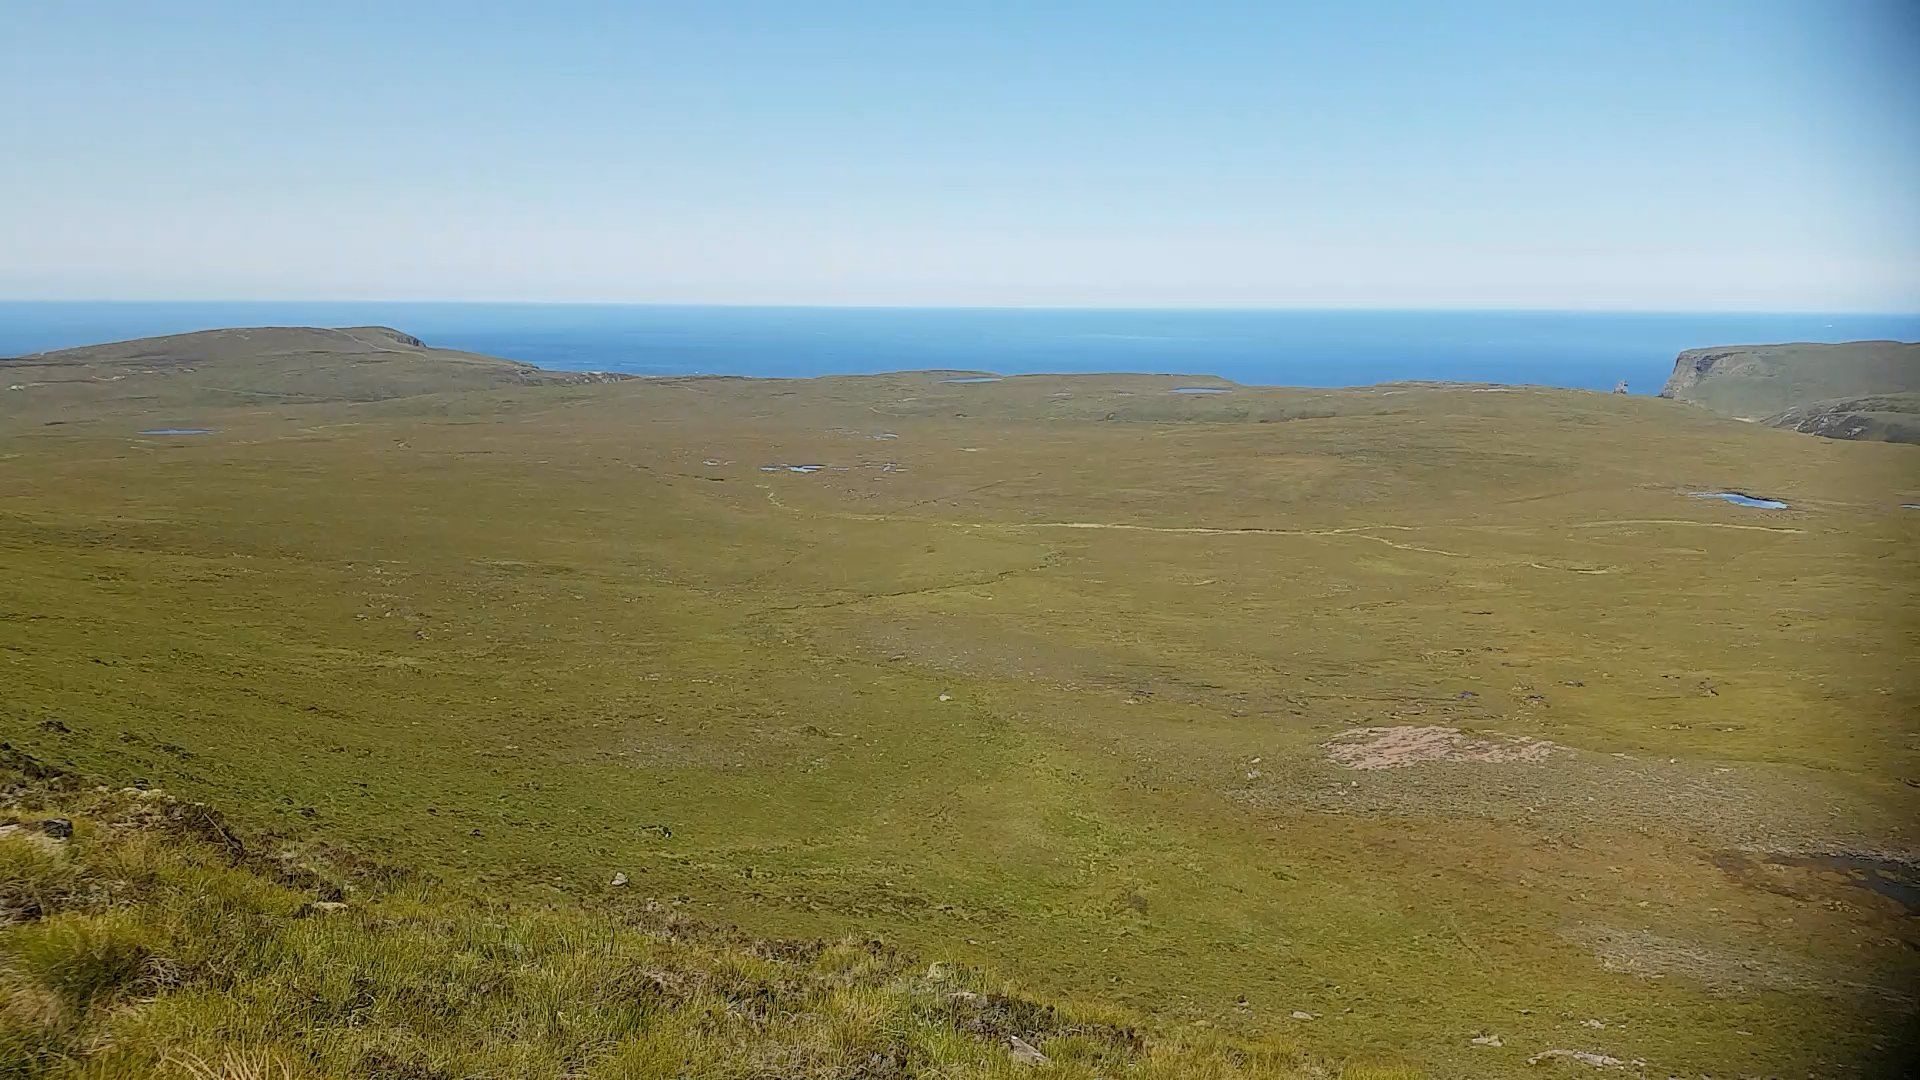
<point x="1684" y="521"/>
<point x="1359" y="532"/>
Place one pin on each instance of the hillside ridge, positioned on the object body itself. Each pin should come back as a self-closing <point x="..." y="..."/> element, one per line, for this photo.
<point x="255" y="365"/>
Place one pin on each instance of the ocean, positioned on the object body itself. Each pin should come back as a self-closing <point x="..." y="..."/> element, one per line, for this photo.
<point x="1591" y="350"/>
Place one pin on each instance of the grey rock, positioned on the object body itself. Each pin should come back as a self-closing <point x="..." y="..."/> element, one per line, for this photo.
<point x="1023" y="1051"/>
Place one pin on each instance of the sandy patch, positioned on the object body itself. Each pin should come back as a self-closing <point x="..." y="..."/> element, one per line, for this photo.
<point x="1398" y="747"/>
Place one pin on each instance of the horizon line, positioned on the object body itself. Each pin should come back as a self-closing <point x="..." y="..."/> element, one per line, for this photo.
<point x="855" y="306"/>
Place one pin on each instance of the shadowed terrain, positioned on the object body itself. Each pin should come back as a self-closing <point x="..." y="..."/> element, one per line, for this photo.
<point x="1427" y="720"/>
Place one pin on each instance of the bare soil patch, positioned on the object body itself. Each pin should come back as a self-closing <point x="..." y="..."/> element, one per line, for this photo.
<point x="1399" y="747"/>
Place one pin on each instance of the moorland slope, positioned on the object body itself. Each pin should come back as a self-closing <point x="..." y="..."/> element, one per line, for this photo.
<point x="144" y="938"/>
<point x="1438" y="722"/>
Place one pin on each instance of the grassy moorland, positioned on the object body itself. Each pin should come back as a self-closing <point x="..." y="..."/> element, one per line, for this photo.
<point x="1053" y="676"/>
<point x="149" y="941"/>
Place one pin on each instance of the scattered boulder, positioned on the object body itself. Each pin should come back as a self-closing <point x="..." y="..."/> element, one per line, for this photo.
<point x="619" y="879"/>
<point x="1024" y="1052"/>
<point x="33" y="835"/>
<point x="1486" y="1040"/>
<point x="59" y="828"/>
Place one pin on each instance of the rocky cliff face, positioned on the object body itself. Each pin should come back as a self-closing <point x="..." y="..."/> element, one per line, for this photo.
<point x="1755" y="382"/>
<point x="1697" y="365"/>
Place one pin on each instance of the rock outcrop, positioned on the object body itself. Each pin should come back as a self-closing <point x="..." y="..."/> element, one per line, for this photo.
<point x="1882" y="417"/>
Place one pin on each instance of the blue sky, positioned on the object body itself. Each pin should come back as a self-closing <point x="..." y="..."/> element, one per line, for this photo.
<point x="1674" y="155"/>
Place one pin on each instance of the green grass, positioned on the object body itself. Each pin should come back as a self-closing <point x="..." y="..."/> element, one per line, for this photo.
<point x="157" y="954"/>
<point x="519" y="641"/>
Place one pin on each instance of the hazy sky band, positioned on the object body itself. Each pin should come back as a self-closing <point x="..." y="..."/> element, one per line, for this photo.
<point x="1666" y="156"/>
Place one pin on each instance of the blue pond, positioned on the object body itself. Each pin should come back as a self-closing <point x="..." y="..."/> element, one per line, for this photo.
<point x="973" y="379"/>
<point x="178" y="431"/>
<point x="1199" y="390"/>
<point x="1739" y="499"/>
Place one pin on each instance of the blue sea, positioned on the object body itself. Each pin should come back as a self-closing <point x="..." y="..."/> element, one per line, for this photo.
<point x="1272" y="347"/>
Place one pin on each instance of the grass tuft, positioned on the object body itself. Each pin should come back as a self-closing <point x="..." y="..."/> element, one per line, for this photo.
<point x="85" y="959"/>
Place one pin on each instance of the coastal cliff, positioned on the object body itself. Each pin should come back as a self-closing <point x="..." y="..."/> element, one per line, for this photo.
<point x="1821" y="389"/>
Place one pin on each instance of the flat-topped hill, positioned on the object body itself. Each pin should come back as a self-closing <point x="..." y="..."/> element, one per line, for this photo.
<point x="256" y="365"/>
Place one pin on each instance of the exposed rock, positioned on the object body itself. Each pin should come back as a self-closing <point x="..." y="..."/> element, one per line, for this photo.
<point x="32" y="835"/>
<point x="1875" y="417"/>
<point x="1486" y="1040"/>
<point x="619" y="879"/>
<point x="1584" y="1057"/>
<point x="1302" y="1014"/>
<point x="59" y="828"/>
<point x="1023" y="1051"/>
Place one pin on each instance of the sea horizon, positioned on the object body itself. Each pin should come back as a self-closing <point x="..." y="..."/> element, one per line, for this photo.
<point x="1262" y="346"/>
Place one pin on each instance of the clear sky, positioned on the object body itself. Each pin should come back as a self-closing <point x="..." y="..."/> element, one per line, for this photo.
<point x="1684" y="154"/>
